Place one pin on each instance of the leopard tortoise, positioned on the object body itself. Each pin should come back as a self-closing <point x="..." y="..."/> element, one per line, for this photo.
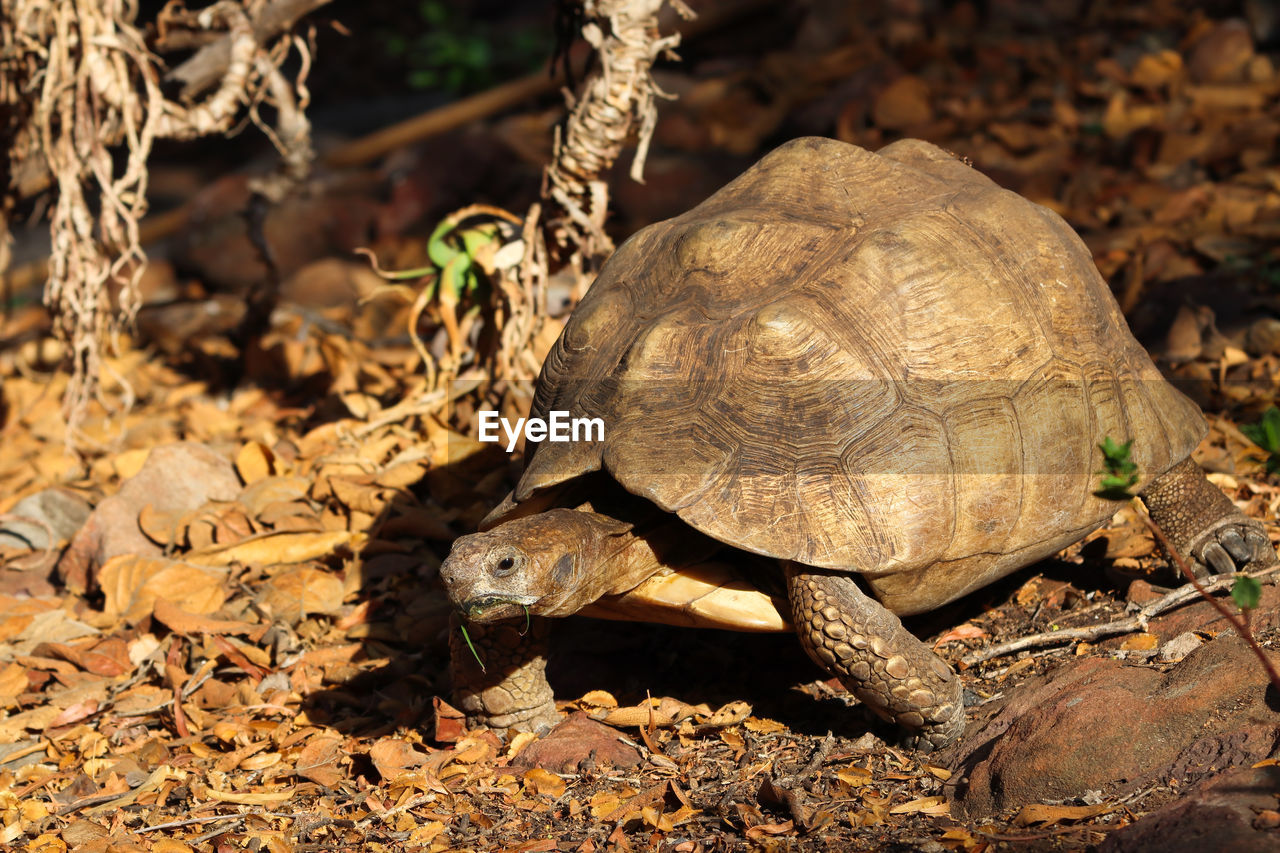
<point x="879" y="372"/>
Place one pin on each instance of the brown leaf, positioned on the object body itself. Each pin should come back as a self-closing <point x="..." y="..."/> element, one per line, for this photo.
<point x="543" y="783"/>
<point x="967" y="631"/>
<point x="162" y="526"/>
<point x="935" y="806"/>
<point x="131" y="585"/>
<point x="392" y="756"/>
<point x="762" y="830"/>
<point x="1154" y="70"/>
<point x="1141" y="642"/>
<point x="275" y="548"/>
<point x="273" y="490"/>
<point x="449" y="721"/>
<point x="902" y="104"/>
<point x="185" y="622"/>
<point x="13" y="681"/>
<point x="1040" y="813"/>
<point x="255" y="462"/>
<point x="319" y="761"/>
<point x="74" y="713"/>
<point x="297" y="593"/>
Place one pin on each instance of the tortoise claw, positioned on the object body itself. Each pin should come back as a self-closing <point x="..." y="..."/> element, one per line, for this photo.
<point x="1217" y="556"/>
<point x="1236" y="545"/>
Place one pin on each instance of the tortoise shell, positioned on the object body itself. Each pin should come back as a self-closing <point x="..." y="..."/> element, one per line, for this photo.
<point x="874" y="362"/>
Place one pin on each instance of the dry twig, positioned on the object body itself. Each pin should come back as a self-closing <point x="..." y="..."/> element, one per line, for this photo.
<point x="1136" y="622"/>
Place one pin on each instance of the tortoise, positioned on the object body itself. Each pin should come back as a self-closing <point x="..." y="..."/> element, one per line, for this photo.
<point x="881" y="373"/>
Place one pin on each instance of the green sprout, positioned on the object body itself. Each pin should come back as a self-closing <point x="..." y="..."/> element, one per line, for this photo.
<point x="467" y="639"/>
<point x="453" y="253"/>
<point x="1266" y="434"/>
<point x="1119" y="471"/>
<point x="1246" y="592"/>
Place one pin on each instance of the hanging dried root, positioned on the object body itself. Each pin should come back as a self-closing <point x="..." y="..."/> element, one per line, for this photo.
<point x="617" y="98"/>
<point x="78" y="81"/>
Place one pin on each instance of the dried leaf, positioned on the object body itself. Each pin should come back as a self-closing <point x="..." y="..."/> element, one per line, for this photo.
<point x="935" y="806"/>
<point x="276" y="548"/>
<point x="255" y="798"/>
<point x="392" y="756"/>
<point x="1141" y="642"/>
<point x="300" y="592"/>
<point x="184" y="622"/>
<point x="254" y="462"/>
<point x="967" y="631"/>
<point x="543" y="783"/>
<point x="319" y="761"/>
<point x="131" y="585"/>
<point x="1047" y="815"/>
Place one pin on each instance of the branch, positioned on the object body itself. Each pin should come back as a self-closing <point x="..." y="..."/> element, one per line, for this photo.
<point x="1238" y="620"/>
<point x="210" y="63"/>
<point x="1135" y="622"/>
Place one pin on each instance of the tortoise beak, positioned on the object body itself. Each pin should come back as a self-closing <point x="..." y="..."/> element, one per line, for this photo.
<point x="492" y="608"/>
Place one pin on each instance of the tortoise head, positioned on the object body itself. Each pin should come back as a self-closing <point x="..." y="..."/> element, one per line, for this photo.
<point x="542" y="563"/>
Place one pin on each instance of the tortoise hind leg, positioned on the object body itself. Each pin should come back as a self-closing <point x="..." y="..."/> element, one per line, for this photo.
<point x="1203" y="524"/>
<point x="854" y="637"/>
<point x="510" y="691"/>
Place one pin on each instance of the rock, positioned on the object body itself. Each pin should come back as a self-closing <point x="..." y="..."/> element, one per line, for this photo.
<point x="577" y="739"/>
<point x="177" y="477"/>
<point x="1102" y="724"/>
<point x="1179" y="647"/>
<point x="28" y="525"/>
<point x="1223" y="815"/>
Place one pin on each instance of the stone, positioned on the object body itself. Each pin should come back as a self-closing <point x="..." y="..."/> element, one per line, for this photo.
<point x="1224" y="814"/>
<point x="1179" y="647"/>
<point x="579" y="738"/>
<point x="1100" y="724"/>
<point x="28" y="525"/>
<point x="177" y="477"/>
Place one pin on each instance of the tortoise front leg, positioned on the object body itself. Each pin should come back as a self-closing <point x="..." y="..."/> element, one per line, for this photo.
<point x="855" y="638"/>
<point x="1203" y="524"/>
<point x="511" y="692"/>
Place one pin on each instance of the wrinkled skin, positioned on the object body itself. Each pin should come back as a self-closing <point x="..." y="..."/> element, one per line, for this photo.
<point x="551" y="564"/>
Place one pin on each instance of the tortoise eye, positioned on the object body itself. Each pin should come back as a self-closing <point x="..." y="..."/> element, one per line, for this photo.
<point x="506" y="563"/>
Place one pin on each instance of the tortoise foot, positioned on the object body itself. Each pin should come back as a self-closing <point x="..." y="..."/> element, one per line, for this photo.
<point x="855" y="638"/>
<point x="506" y="689"/>
<point x="1204" y="525"/>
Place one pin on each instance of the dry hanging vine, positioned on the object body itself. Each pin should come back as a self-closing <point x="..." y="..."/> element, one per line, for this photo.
<point x="619" y="95"/>
<point x="80" y="84"/>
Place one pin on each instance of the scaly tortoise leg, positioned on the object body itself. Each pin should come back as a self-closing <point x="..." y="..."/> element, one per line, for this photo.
<point x="512" y="692"/>
<point x="855" y="638"/>
<point x="1204" y="525"/>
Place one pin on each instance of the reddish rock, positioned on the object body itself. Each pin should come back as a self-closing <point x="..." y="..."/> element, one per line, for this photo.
<point x="1105" y="725"/>
<point x="176" y="477"/>
<point x="574" y="741"/>
<point x="1223" y="815"/>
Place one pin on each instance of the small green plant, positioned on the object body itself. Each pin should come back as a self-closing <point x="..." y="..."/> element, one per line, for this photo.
<point x="467" y="639"/>
<point x="453" y="252"/>
<point x="459" y="52"/>
<point x="1266" y="434"/>
<point x="1246" y="592"/>
<point x="1119" y="471"/>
